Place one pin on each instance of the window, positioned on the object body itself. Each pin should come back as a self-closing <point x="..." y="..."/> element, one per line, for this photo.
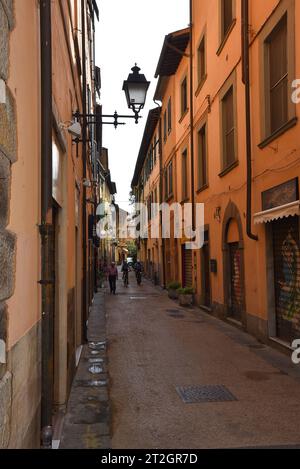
<point x="184" y="96"/>
<point x="278" y="75"/>
<point x="169" y="116"/>
<point x="170" y="176"/>
<point x="166" y="185"/>
<point x="169" y="180"/>
<point x="228" y="128"/>
<point x="201" y="61"/>
<point x="227" y="17"/>
<point x="202" y="159"/>
<point x="154" y="151"/>
<point x="184" y="170"/>
<point x="277" y="54"/>
<point x="165" y="126"/>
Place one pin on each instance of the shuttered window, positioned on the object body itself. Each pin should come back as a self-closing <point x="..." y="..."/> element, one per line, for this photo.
<point x="165" y="126"/>
<point x="227" y="16"/>
<point x="228" y="128"/>
<point x="278" y="75"/>
<point x="184" y="175"/>
<point x="202" y="161"/>
<point x="201" y="61"/>
<point x="169" y="116"/>
<point x="184" y="96"/>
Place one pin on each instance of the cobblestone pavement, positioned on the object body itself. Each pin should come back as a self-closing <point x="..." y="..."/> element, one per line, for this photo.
<point x="155" y="347"/>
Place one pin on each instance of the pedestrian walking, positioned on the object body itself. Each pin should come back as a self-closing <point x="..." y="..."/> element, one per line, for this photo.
<point x="125" y="270"/>
<point x="112" y="277"/>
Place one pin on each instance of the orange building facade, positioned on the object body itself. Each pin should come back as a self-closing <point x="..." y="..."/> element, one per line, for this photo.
<point x="230" y="78"/>
<point x="47" y="262"/>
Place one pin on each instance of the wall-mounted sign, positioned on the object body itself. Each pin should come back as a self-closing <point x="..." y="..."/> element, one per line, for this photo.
<point x="280" y="195"/>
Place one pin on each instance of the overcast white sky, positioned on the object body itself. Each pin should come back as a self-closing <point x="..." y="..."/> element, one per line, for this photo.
<point x="131" y="31"/>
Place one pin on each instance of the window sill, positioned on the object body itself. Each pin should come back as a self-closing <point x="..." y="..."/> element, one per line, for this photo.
<point x="183" y="115"/>
<point x="200" y="85"/>
<point x="288" y="125"/>
<point x="201" y="189"/>
<point x="224" y="40"/>
<point x="228" y="168"/>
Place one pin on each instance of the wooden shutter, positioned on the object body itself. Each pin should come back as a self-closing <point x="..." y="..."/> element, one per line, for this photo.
<point x="227" y="16"/>
<point x="228" y="128"/>
<point x="278" y="75"/>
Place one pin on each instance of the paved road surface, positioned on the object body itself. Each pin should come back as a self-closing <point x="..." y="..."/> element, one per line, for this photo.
<point x="152" y="350"/>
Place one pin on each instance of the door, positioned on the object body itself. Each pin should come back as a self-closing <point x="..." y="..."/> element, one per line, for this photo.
<point x="286" y="253"/>
<point x="236" y="288"/>
<point x="187" y="267"/>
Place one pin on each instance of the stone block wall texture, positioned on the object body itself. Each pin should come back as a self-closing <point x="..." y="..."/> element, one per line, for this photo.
<point x="8" y="155"/>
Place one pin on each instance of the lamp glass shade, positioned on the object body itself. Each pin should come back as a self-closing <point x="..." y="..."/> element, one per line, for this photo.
<point x="136" y="87"/>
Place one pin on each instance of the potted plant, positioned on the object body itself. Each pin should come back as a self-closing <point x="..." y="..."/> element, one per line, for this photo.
<point x="172" y="290"/>
<point x="186" y="296"/>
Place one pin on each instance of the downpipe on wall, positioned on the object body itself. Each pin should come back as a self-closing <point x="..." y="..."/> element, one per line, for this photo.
<point x="46" y="226"/>
<point x="246" y="81"/>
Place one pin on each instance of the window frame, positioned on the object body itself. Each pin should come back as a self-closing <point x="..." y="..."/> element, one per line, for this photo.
<point x="286" y="7"/>
<point x="204" y="184"/>
<point x="169" y="118"/>
<point x="201" y="78"/>
<point x="165" y="125"/>
<point x="231" y="82"/>
<point x="169" y="178"/>
<point x="183" y="110"/>
<point x="224" y="35"/>
<point x="185" y="173"/>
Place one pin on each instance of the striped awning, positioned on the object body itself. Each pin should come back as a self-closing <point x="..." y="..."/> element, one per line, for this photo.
<point x="283" y="211"/>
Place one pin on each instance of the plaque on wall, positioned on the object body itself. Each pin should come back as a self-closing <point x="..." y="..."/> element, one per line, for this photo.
<point x="280" y="195"/>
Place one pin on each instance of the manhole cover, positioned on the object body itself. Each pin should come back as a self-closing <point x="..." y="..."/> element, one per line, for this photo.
<point x="95" y="369"/>
<point x="96" y="360"/>
<point x="208" y="393"/>
<point x="138" y="298"/>
<point x="97" y="345"/>
<point x="91" y="383"/>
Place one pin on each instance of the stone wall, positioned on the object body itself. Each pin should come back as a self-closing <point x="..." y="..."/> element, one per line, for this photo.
<point x="8" y="155"/>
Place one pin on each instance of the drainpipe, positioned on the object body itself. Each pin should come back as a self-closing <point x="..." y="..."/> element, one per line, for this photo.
<point x="84" y="138"/>
<point x="246" y="81"/>
<point x="161" y="179"/>
<point x="46" y="226"/>
<point x="95" y="188"/>
<point x="192" y="116"/>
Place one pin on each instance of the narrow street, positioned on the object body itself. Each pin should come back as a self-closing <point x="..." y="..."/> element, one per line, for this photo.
<point x="155" y="346"/>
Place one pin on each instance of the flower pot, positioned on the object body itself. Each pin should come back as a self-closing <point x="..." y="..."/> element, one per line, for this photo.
<point x="185" y="300"/>
<point x="172" y="294"/>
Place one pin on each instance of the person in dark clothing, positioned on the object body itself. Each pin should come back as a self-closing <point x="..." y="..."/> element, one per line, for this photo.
<point x="112" y="277"/>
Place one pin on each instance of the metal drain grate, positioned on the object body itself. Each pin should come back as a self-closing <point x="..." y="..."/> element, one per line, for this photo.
<point x="208" y="393"/>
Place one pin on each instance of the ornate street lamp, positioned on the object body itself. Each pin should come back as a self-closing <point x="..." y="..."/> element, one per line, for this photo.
<point x="135" y="87"/>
